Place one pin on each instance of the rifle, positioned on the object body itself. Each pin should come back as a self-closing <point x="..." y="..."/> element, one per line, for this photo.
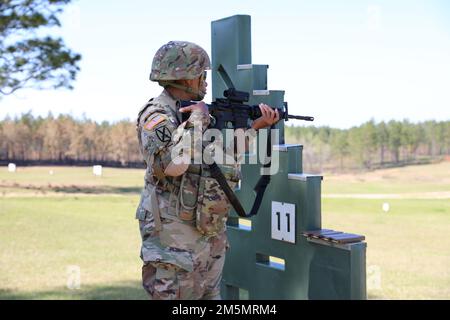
<point x="231" y="112"/>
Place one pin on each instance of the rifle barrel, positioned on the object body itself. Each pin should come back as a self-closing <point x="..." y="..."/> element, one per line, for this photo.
<point x="305" y="118"/>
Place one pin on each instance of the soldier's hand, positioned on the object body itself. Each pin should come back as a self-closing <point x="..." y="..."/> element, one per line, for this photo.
<point x="199" y="115"/>
<point x="199" y="107"/>
<point x="269" y="117"/>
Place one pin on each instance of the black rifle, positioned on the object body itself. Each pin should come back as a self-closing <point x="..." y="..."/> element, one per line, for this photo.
<point x="231" y="113"/>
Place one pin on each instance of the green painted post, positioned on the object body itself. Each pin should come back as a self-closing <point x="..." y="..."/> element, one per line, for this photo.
<point x="312" y="269"/>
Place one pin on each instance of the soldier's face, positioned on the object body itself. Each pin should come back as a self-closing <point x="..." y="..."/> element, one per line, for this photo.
<point x="198" y="85"/>
<point x="202" y="85"/>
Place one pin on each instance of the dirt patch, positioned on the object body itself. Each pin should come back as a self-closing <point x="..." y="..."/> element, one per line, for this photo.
<point x="56" y="194"/>
<point x="437" y="172"/>
<point x="66" y="189"/>
<point x="415" y="195"/>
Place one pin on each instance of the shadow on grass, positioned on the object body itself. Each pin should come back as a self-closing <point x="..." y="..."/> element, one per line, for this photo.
<point x="129" y="290"/>
<point x="76" y="189"/>
<point x="375" y="296"/>
<point x="97" y="190"/>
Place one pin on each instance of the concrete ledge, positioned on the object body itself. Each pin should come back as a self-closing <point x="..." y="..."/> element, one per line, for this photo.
<point x="302" y="176"/>
<point x="346" y="246"/>
<point x="285" y="147"/>
<point x="244" y="66"/>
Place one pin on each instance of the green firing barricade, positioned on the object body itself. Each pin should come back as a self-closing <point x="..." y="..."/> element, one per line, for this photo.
<point x="270" y="258"/>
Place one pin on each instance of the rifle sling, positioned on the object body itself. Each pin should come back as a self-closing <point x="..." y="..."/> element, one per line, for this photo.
<point x="217" y="174"/>
<point x="260" y="187"/>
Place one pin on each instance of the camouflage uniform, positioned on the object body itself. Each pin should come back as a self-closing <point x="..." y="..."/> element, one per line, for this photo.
<point x="181" y="218"/>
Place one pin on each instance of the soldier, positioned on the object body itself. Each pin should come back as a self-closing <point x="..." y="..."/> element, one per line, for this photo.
<point x="183" y="210"/>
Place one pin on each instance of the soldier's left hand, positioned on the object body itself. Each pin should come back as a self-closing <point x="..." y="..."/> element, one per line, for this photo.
<point x="269" y="117"/>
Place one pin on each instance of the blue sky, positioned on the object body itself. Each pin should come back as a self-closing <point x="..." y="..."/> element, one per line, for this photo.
<point x="343" y="62"/>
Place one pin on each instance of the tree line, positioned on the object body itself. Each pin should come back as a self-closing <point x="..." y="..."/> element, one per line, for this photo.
<point x="68" y="140"/>
<point x="372" y="145"/>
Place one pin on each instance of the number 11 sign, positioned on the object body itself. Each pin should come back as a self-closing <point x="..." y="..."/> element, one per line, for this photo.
<point x="283" y="221"/>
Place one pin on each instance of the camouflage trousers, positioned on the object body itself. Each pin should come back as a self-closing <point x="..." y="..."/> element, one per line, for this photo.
<point x="164" y="280"/>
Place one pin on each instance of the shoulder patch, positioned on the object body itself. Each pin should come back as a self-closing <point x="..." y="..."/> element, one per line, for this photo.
<point x="163" y="134"/>
<point x="153" y="121"/>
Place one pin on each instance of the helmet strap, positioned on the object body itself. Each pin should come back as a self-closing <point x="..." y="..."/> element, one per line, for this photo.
<point x="181" y="87"/>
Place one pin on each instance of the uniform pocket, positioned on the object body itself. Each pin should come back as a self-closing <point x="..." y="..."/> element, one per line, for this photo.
<point x="188" y="196"/>
<point x="212" y="207"/>
<point x="154" y="251"/>
<point x="147" y="226"/>
<point x="165" y="286"/>
<point x="144" y="205"/>
<point x="172" y="282"/>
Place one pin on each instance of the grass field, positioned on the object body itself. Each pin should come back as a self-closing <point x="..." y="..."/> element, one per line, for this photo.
<point x="50" y="223"/>
<point x="409" y="245"/>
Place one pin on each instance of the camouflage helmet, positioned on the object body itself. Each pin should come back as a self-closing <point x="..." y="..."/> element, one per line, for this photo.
<point x="179" y="60"/>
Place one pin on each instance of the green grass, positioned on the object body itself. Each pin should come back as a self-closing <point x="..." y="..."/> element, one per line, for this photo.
<point x="51" y="222"/>
<point x="40" y="176"/>
<point x="409" y="244"/>
<point x="41" y="237"/>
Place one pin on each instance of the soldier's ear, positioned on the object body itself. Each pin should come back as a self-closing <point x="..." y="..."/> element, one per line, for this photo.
<point x="189" y="83"/>
<point x="183" y="82"/>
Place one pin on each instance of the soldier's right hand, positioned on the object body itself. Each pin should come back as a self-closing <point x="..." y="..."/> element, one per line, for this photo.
<point x="199" y="107"/>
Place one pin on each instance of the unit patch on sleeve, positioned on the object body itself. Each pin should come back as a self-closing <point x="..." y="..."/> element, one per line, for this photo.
<point x="163" y="134"/>
<point x="154" y="121"/>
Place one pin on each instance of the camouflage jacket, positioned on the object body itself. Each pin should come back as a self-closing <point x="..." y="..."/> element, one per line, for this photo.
<point x="181" y="206"/>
